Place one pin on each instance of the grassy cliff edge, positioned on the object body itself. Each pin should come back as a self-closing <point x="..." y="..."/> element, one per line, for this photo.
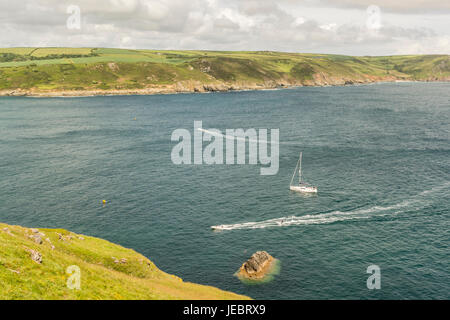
<point x="100" y="71"/>
<point x="33" y="265"/>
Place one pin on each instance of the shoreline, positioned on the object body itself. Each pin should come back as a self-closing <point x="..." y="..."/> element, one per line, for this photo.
<point x="207" y="88"/>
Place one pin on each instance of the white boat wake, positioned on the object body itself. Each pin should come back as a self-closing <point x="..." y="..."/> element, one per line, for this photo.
<point x="239" y="138"/>
<point x="336" y="216"/>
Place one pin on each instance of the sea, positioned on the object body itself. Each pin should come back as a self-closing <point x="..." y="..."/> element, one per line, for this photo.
<point x="379" y="155"/>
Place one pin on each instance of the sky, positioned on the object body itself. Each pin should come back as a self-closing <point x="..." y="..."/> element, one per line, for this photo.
<point x="352" y="27"/>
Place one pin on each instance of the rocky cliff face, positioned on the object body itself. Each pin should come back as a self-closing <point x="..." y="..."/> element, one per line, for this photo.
<point x="191" y="86"/>
<point x="216" y="86"/>
<point x="257" y="266"/>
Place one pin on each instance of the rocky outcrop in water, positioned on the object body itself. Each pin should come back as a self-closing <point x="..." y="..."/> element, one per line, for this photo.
<point x="257" y="266"/>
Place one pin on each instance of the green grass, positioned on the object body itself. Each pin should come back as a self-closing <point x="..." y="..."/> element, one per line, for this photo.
<point x="43" y="69"/>
<point x="43" y="52"/>
<point x="21" y="51"/>
<point x="101" y="276"/>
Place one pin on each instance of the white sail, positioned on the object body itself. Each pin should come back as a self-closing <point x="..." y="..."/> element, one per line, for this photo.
<point x="302" y="186"/>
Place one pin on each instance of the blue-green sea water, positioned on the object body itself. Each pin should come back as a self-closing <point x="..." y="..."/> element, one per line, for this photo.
<point x="379" y="154"/>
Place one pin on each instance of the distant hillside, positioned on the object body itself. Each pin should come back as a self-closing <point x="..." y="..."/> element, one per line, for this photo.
<point x="33" y="265"/>
<point x="83" y="71"/>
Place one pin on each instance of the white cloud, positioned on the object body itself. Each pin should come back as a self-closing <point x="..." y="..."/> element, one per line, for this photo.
<point x="432" y="45"/>
<point x="399" y="6"/>
<point x="327" y="26"/>
<point x="103" y="27"/>
<point x="298" y="21"/>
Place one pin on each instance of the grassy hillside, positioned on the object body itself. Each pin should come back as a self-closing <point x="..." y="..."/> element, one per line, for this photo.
<point x="108" y="271"/>
<point x="100" y="69"/>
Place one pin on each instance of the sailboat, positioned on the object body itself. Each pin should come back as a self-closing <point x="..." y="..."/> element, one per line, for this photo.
<point x="302" y="186"/>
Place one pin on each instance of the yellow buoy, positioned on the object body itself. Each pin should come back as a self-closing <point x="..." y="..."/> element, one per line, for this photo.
<point x="104" y="201"/>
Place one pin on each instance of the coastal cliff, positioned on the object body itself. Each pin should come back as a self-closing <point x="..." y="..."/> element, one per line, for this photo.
<point x="102" y="71"/>
<point x="38" y="263"/>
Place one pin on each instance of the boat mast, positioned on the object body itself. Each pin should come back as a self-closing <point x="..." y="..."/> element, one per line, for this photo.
<point x="300" y="170"/>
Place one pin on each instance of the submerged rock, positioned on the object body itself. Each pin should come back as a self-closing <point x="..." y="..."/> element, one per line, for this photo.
<point x="257" y="266"/>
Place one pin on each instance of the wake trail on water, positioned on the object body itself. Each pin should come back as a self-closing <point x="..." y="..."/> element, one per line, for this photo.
<point x="238" y="138"/>
<point x="417" y="202"/>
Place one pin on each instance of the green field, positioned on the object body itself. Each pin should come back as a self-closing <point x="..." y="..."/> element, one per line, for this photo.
<point x="78" y="69"/>
<point x="107" y="270"/>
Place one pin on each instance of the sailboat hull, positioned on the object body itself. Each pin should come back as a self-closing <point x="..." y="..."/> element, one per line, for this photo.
<point x="306" y="189"/>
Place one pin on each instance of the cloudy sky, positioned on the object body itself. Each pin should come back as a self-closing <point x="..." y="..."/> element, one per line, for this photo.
<point x="355" y="27"/>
